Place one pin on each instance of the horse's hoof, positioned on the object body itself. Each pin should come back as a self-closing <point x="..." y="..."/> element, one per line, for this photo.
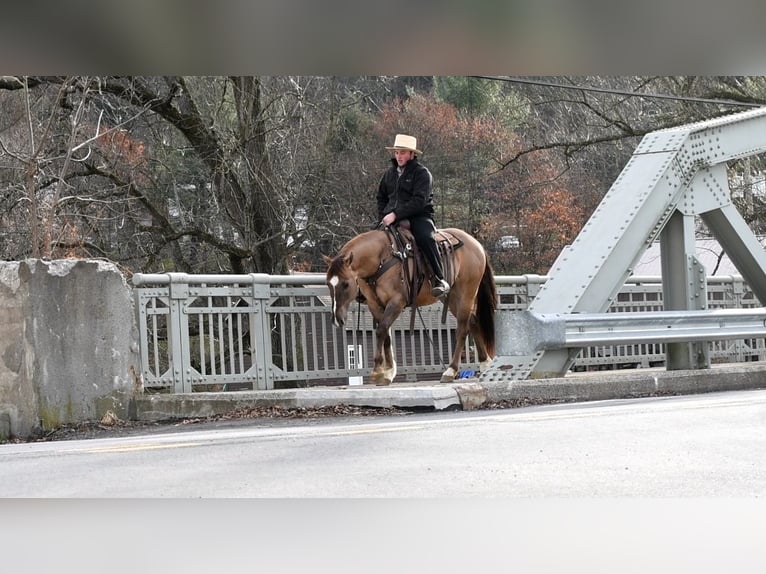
<point x="384" y="377"/>
<point x="448" y="376"/>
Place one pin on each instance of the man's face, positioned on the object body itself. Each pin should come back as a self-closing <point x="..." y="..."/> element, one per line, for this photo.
<point x="403" y="156"/>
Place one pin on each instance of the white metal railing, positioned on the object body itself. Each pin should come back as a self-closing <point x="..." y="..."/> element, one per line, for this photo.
<point x="229" y="332"/>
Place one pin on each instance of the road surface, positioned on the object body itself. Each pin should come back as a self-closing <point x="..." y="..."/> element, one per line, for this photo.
<point x="711" y="445"/>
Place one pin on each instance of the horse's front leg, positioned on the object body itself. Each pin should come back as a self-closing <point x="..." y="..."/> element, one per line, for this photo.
<point x="384" y="372"/>
<point x="385" y="365"/>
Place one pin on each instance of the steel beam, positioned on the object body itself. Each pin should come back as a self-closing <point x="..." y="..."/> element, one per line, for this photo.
<point x="676" y="170"/>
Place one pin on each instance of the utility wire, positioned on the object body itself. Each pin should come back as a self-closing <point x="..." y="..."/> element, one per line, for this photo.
<point x="517" y="80"/>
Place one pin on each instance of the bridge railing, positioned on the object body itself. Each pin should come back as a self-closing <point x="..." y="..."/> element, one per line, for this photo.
<point x="236" y="332"/>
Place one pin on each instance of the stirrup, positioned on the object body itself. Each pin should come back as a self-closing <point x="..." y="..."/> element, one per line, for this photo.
<point x="440" y="289"/>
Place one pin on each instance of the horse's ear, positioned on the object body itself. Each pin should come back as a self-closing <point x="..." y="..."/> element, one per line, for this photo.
<point x="326" y="259"/>
<point x="349" y="258"/>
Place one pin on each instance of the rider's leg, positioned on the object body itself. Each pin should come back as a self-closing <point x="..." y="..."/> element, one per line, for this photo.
<point x="422" y="230"/>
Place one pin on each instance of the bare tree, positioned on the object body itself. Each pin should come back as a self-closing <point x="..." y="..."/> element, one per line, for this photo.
<point x="225" y="137"/>
<point x="247" y="174"/>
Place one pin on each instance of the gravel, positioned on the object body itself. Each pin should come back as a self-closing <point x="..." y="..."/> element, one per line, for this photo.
<point x="112" y="426"/>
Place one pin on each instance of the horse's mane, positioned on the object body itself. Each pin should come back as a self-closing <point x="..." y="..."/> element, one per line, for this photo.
<point x="337" y="264"/>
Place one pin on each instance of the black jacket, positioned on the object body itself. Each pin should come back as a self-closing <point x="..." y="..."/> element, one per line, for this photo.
<point x="408" y="195"/>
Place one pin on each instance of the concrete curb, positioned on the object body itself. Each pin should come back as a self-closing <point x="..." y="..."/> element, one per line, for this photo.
<point x="160" y="407"/>
<point x="631" y="384"/>
<point x="465" y="394"/>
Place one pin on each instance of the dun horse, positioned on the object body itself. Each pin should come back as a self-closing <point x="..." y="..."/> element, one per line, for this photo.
<point x="371" y="263"/>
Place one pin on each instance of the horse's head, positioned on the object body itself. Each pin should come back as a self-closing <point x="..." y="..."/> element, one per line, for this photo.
<point x="341" y="282"/>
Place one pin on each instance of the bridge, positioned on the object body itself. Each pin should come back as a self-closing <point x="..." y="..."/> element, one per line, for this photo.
<point x="257" y="331"/>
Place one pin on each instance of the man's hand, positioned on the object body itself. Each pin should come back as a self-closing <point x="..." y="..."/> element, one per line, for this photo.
<point x="388" y="219"/>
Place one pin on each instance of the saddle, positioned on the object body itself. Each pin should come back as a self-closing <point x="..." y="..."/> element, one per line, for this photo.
<point x="404" y="246"/>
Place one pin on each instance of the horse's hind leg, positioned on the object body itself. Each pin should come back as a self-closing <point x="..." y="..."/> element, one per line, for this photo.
<point x="460" y="335"/>
<point x="481" y="348"/>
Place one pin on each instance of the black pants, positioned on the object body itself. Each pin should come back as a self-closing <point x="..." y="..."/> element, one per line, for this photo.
<point x="422" y="230"/>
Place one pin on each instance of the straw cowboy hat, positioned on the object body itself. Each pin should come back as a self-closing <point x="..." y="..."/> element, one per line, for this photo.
<point x="405" y="142"/>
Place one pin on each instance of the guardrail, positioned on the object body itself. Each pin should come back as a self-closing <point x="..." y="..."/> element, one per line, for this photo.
<point x="547" y="331"/>
<point x="257" y="331"/>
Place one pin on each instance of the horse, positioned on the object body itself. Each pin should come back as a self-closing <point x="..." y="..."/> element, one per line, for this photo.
<point x="372" y="266"/>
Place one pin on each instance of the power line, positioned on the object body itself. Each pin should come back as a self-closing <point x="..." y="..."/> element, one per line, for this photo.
<point x="517" y="80"/>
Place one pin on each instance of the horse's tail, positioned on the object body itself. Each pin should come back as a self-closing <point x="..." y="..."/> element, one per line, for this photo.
<point x="486" y="304"/>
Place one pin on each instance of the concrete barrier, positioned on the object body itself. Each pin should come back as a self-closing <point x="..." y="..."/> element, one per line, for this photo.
<point x="68" y="349"/>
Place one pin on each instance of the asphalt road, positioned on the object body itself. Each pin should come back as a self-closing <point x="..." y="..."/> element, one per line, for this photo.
<point x="711" y="445"/>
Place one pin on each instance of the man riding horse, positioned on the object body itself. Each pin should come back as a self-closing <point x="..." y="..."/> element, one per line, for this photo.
<point x="405" y="193"/>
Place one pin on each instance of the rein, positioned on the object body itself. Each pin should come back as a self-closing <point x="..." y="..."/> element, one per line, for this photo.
<point x="398" y="256"/>
<point x="371" y="280"/>
<point x="401" y="250"/>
